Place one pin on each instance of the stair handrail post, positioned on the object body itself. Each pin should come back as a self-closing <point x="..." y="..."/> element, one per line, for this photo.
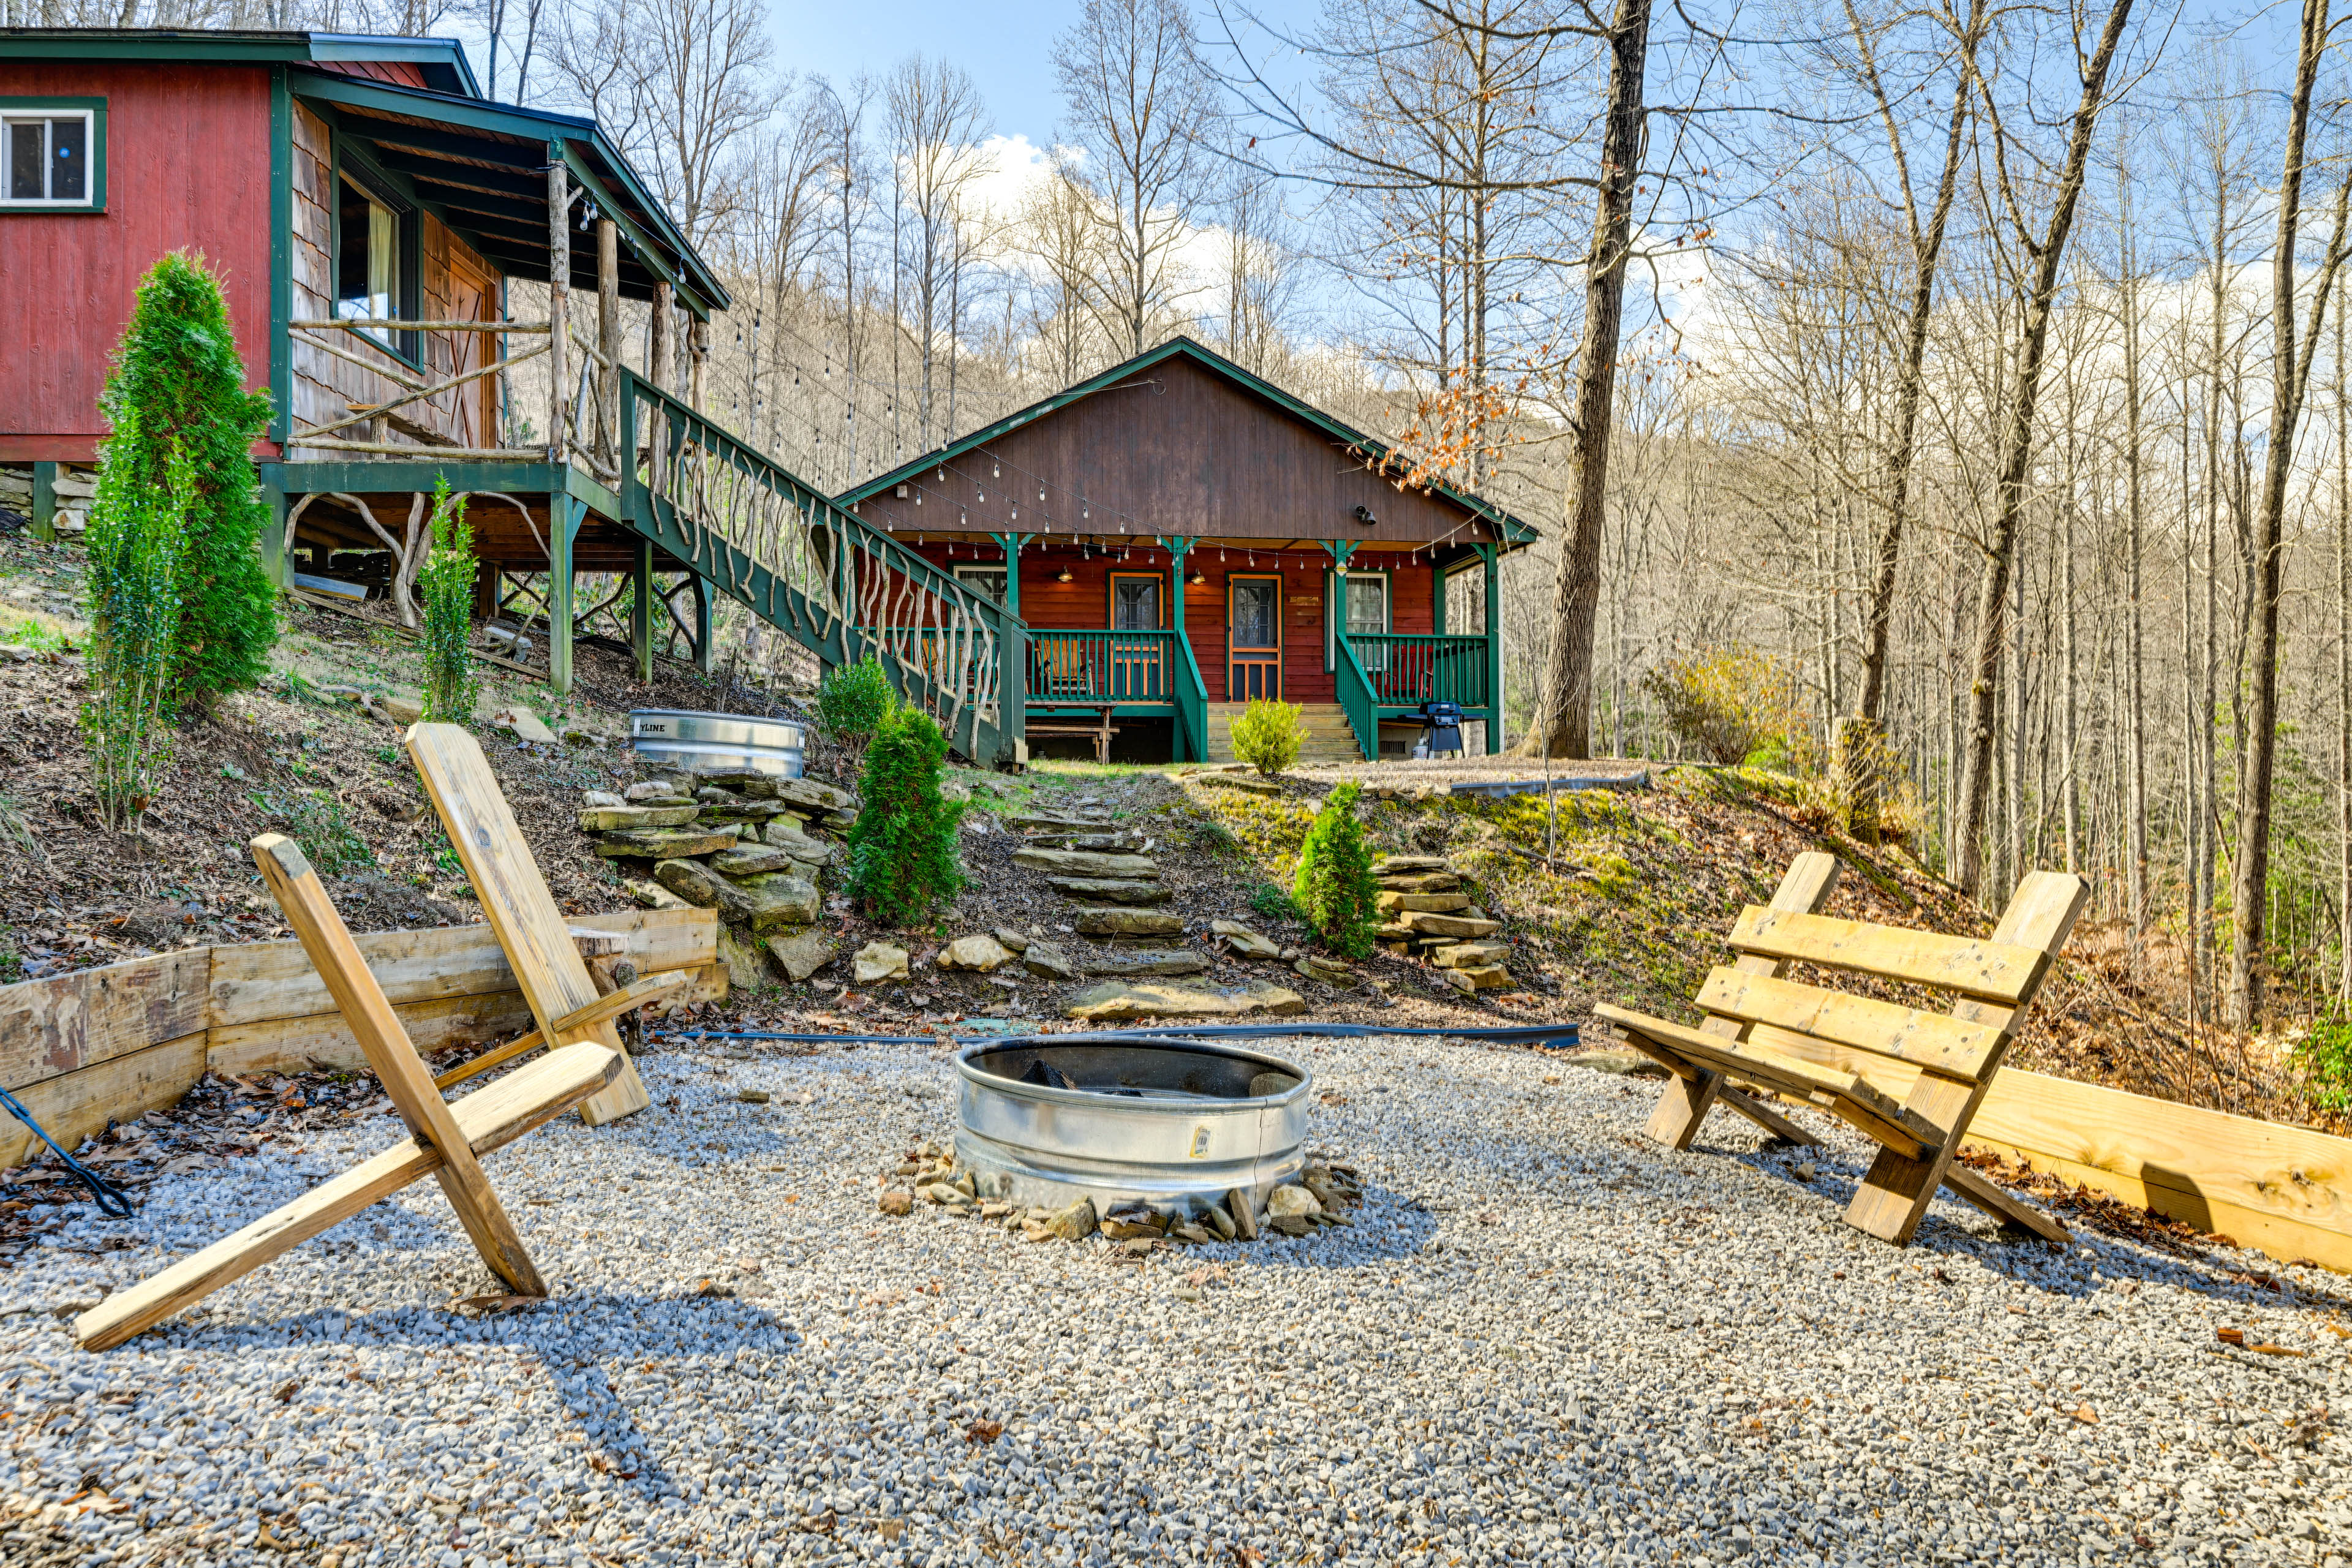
<point x="1190" y="692"/>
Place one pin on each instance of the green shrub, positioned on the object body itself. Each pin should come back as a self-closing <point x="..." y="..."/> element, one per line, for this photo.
<point x="851" y="701"/>
<point x="446" y="586"/>
<point x="1733" y="706"/>
<point x="2324" y="1059"/>
<point x="131" y="587"/>
<point x="1270" y="902"/>
<point x="1267" y="735"/>
<point x="319" y="822"/>
<point x="179" y="384"/>
<point x="1334" y="888"/>
<point x="903" y="860"/>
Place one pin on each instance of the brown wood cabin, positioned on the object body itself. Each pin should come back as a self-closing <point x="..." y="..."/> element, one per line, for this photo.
<point x="1178" y="514"/>
<point x="365" y="207"/>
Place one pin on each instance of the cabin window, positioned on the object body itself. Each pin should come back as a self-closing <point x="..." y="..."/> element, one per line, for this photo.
<point x="986" y="579"/>
<point x="1365" y="596"/>
<point x="50" y="155"/>
<point x="1135" y="604"/>
<point x="369" y="248"/>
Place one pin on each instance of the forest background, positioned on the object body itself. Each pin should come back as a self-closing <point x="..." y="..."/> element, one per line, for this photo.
<point x="1946" y="401"/>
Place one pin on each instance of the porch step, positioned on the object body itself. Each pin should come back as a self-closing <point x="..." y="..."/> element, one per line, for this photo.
<point x="1328" y="738"/>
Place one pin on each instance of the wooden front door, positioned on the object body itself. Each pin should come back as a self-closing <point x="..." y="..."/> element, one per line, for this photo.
<point x="473" y="297"/>
<point x="1252" y="638"/>
<point x="1138" y="654"/>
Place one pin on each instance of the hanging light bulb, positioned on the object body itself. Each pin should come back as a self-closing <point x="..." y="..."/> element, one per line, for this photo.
<point x="1085" y="511"/>
<point x="918" y="498"/>
<point x="943" y="476"/>
<point x="1220" y="555"/>
<point x="983" y="496"/>
<point x="1016" y="514"/>
<point x="1041" y="495"/>
<point x="994" y="471"/>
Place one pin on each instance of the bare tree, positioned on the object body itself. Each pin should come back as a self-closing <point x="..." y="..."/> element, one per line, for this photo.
<point x="1141" y="107"/>
<point x="2293" y="350"/>
<point x="935" y="121"/>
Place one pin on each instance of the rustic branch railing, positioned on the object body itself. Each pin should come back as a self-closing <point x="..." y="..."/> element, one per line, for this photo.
<point x="840" y="588"/>
<point x="323" y="435"/>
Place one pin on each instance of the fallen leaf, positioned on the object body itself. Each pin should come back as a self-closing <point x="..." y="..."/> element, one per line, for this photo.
<point x="892" y="1529"/>
<point x="495" y="1304"/>
<point x="2231" y="1336"/>
<point x="714" y="1289"/>
<point x="2086" y="1415"/>
<point x="285" y="1390"/>
<point x="2275" y="1350"/>
<point x="983" y="1432"/>
<point x="821" y="1523"/>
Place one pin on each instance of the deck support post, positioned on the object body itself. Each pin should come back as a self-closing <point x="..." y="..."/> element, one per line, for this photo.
<point x="559" y="294"/>
<point x="45" y="503"/>
<point x="1489" y="556"/>
<point x="641" y="609"/>
<point x="1437" y="595"/>
<point x="564" y="518"/>
<point x="1192" y="728"/>
<point x="702" y="659"/>
<point x="273" y="538"/>
<point x="608" y="341"/>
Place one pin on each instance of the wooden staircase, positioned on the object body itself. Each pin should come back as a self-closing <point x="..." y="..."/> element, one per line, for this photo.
<point x="1328" y="738"/>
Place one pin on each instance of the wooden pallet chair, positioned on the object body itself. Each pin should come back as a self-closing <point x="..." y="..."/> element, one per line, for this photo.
<point x="444" y="1140"/>
<point x="553" y="978"/>
<point x="1910" y="1079"/>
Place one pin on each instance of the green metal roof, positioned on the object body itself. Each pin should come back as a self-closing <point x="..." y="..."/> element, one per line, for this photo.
<point x="443" y="61"/>
<point x="1513" y="530"/>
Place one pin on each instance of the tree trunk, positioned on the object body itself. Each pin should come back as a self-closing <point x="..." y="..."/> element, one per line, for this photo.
<point x="2010" y="491"/>
<point x="2290" y="375"/>
<point x="1562" y="724"/>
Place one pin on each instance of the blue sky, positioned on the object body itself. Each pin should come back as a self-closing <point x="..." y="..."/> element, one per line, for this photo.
<point x="1005" y="47"/>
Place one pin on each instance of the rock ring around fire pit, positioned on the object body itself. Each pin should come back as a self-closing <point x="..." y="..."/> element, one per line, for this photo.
<point x="1174" y="1122"/>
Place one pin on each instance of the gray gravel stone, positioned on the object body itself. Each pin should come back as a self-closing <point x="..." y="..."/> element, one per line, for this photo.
<point x="1540" y="1339"/>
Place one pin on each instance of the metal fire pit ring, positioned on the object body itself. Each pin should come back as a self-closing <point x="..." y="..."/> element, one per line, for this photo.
<point x="1174" y="1122"/>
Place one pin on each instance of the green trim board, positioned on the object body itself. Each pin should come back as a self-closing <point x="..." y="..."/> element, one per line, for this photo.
<point x="442" y="60"/>
<point x="281" y="257"/>
<point x="96" y="108"/>
<point x="1516" y="533"/>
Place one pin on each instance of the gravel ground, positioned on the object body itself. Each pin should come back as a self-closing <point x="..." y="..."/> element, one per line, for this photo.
<point x="1544" y="1339"/>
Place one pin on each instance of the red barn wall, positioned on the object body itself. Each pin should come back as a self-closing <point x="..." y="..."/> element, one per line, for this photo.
<point x="187" y="164"/>
<point x="1084" y="602"/>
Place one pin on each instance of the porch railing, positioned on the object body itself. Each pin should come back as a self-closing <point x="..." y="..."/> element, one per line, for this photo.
<point x="1405" y="670"/>
<point x="374" y="337"/>
<point x="1102" y="667"/>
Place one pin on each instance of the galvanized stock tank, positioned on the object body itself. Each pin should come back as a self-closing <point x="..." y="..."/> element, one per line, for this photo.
<point x="1174" y="1122"/>
<point x="680" y="738"/>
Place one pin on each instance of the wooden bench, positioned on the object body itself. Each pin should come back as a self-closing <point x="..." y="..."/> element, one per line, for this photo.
<point x="1908" y="1078"/>
<point x="1100" y="732"/>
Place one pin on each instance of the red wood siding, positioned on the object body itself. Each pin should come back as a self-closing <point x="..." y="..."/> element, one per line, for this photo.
<point x="1084" y="602"/>
<point x="1199" y="458"/>
<point x="187" y="164"/>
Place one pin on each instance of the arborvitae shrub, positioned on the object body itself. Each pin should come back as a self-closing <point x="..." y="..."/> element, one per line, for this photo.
<point x="903" y="860"/>
<point x="1334" y="888"/>
<point x="1268" y="734"/>
<point x="130" y="586"/>
<point x="851" y="700"/>
<point x="446" y="584"/>
<point x="177" y="381"/>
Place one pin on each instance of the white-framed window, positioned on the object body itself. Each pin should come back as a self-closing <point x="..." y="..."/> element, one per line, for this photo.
<point x="50" y="156"/>
<point x="1362" y="609"/>
<point x="983" y="578"/>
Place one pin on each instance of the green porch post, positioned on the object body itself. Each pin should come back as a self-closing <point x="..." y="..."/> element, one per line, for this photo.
<point x="1489" y="556"/>
<point x="45" y="503"/>
<point x="563" y="519"/>
<point x="273" y="538"/>
<point x="1437" y="596"/>
<point x="1191" y="699"/>
<point x="1013" y="662"/>
<point x="641" y="609"/>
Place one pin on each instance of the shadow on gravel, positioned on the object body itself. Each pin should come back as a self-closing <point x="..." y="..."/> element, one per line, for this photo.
<point x="585" y="1341"/>
<point x="2120" y="1259"/>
